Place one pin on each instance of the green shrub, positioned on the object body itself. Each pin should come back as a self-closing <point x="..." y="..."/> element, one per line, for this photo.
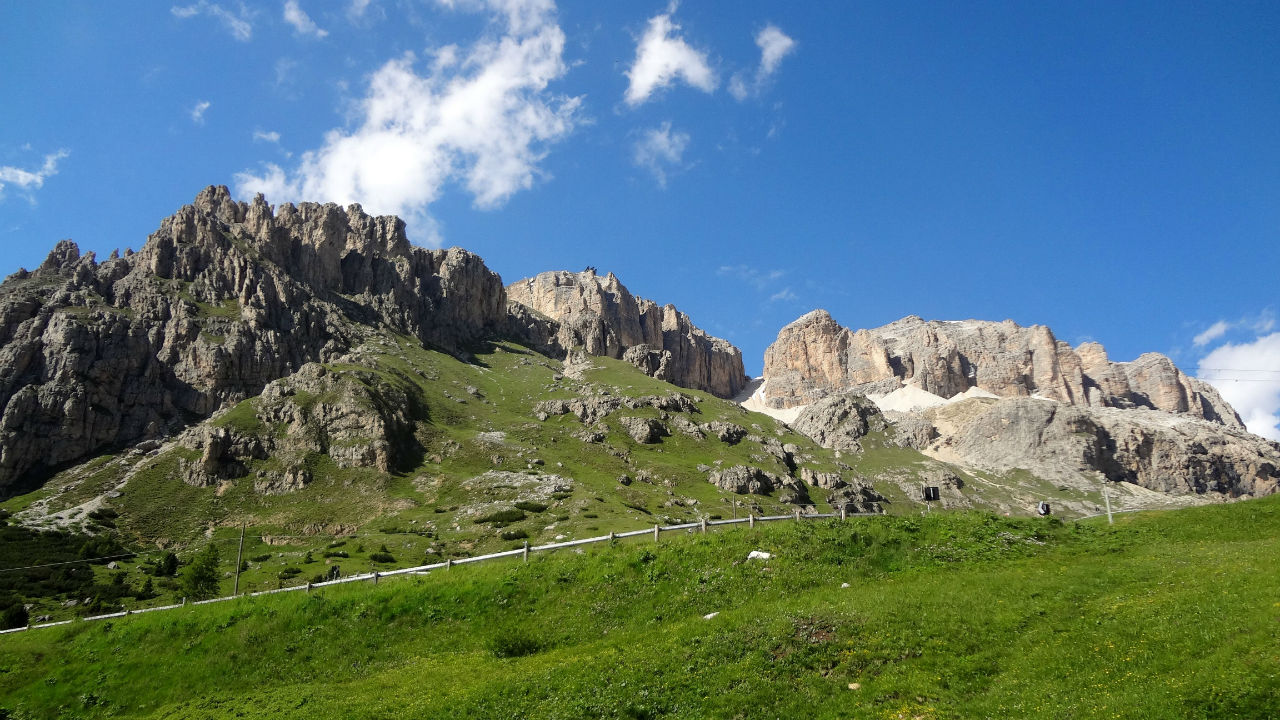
<point x="382" y="557"/>
<point x="533" y="507"/>
<point x="513" y="643"/>
<point x="260" y="558"/>
<point x="14" y="616"/>
<point x="289" y="572"/>
<point x="200" y="579"/>
<point x="506" y="517"/>
<point x="336" y="554"/>
<point x="514" y="534"/>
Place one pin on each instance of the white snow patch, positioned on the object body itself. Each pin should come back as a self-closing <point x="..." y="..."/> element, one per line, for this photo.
<point x="752" y="398"/>
<point x="908" y="398"/>
<point x="973" y="392"/>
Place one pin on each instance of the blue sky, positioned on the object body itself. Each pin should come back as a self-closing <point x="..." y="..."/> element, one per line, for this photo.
<point x="1111" y="170"/>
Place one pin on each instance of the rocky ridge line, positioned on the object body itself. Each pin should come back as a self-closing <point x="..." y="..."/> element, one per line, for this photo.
<point x="815" y="356"/>
<point x="223" y="298"/>
<point x="601" y="316"/>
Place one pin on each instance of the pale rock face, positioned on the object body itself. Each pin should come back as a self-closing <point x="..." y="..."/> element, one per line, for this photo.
<point x="1153" y="449"/>
<point x="224" y="298"/>
<point x="601" y="316"/>
<point x="814" y="357"/>
<point x="1061" y="413"/>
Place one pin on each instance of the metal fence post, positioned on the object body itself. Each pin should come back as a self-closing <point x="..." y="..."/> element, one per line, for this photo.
<point x="751" y="520"/>
<point x="526" y="551"/>
<point x="704" y="525"/>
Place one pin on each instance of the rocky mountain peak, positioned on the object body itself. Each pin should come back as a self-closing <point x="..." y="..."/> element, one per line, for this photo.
<point x="815" y="356"/>
<point x="602" y="317"/>
<point x="223" y="298"/>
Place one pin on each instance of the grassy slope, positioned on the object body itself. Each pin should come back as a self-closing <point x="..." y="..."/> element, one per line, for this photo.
<point x="1173" y="614"/>
<point x="426" y="512"/>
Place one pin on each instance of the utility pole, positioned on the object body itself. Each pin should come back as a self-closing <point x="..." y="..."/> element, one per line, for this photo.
<point x="1106" y="497"/>
<point x="239" y="554"/>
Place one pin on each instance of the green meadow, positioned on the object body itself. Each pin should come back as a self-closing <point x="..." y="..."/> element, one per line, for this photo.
<point x="1170" y="614"/>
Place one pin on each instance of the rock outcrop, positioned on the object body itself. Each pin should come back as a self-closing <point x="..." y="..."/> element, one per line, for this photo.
<point x="599" y="315"/>
<point x="358" y="418"/>
<point x="839" y="421"/>
<point x="814" y="357"/>
<point x="223" y="298"/>
<point x="1000" y="397"/>
<point x="1056" y="441"/>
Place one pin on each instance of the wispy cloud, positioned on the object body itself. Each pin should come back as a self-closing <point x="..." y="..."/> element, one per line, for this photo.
<point x="27" y="181"/>
<point x="1213" y="332"/>
<point x="261" y="136"/>
<point x="481" y="117"/>
<point x="237" y="23"/>
<point x="301" y="22"/>
<point x="757" y="278"/>
<point x="356" y="8"/>
<point x="1263" y="322"/>
<point x="661" y="151"/>
<point x="774" y="46"/>
<point x="783" y="295"/>
<point x="1247" y="374"/>
<point x="197" y="112"/>
<point x="662" y="57"/>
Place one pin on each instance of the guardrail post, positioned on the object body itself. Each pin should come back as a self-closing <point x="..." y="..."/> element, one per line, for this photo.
<point x="844" y="508"/>
<point x="704" y="525"/>
<point x="797" y="513"/>
<point x="375" y="577"/>
<point x="448" y="563"/>
<point x="308" y="586"/>
<point x="526" y="551"/>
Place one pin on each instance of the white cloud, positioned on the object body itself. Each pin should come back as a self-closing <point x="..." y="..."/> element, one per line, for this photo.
<point x="774" y="46"/>
<point x="1248" y="376"/>
<point x="197" y="112"/>
<point x="29" y="180"/>
<point x="236" y="23"/>
<point x="481" y="119"/>
<point x="301" y="22"/>
<point x="756" y="277"/>
<point x="784" y="294"/>
<point x="1214" y="332"/>
<point x="1260" y="324"/>
<point x="660" y="151"/>
<point x="661" y="58"/>
<point x="271" y="136"/>
<point x="356" y="9"/>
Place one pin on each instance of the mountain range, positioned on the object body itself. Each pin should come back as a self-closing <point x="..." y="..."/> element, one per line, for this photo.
<point x="306" y="370"/>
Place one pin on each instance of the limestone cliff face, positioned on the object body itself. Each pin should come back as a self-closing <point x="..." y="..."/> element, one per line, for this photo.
<point x="815" y="356"/>
<point x="1157" y="450"/>
<point x="599" y="315"/>
<point x="224" y="297"/>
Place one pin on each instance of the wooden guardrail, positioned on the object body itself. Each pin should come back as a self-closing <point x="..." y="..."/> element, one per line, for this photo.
<point x="523" y="552"/>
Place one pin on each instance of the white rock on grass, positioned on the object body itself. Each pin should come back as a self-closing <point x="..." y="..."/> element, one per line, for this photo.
<point x="759" y="555"/>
